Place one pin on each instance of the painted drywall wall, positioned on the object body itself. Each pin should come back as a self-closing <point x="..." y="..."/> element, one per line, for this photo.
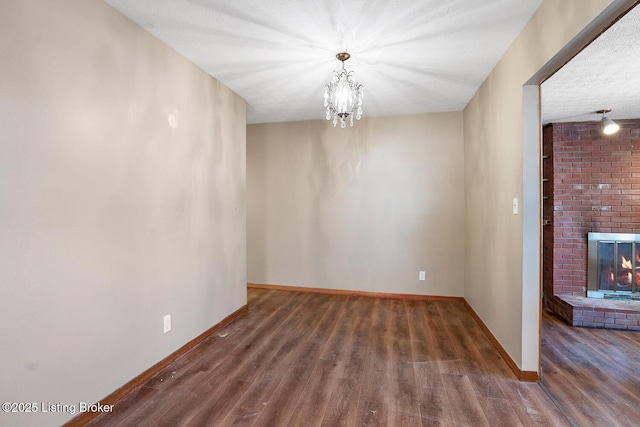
<point x="493" y="132"/>
<point x="122" y="199"/>
<point x="363" y="208"/>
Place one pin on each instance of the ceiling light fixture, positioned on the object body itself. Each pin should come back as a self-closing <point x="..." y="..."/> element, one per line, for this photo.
<point x="343" y="96"/>
<point x="609" y="127"/>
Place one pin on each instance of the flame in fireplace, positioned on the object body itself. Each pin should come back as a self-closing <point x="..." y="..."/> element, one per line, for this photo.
<point x="625" y="276"/>
<point x="637" y="268"/>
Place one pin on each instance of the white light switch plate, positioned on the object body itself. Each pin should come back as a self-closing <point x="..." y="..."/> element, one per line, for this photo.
<point x="167" y="323"/>
<point x="515" y="206"/>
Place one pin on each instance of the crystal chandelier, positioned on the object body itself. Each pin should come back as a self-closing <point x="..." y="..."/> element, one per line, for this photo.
<point x="343" y="96"/>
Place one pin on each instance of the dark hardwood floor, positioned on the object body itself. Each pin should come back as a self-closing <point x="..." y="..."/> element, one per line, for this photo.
<point x="594" y="374"/>
<point x="303" y="359"/>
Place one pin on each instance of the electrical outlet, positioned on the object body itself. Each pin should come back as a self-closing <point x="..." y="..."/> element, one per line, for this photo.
<point x="422" y="276"/>
<point x="167" y="323"/>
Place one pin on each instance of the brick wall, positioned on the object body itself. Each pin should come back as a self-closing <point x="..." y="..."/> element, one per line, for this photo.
<point x="597" y="313"/>
<point x="607" y="318"/>
<point x="593" y="185"/>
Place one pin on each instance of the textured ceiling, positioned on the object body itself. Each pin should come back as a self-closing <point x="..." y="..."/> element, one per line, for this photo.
<point x="606" y="74"/>
<point x="411" y="56"/>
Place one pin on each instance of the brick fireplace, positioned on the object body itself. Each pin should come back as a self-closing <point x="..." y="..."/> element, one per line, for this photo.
<point x="591" y="183"/>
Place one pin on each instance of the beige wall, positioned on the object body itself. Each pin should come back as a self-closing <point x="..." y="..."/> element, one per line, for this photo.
<point x="122" y="199"/>
<point x="363" y="208"/>
<point x="493" y="130"/>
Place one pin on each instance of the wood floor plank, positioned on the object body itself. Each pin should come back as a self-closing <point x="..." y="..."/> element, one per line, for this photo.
<point x="352" y="366"/>
<point x="468" y="409"/>
<point x="324" y="379"/>
<point x="399" y="331"/>
<point x="404" y="409"/>
<point x="533" y="406"/>
<point x="347" y="347"/>
<point x="280" y="407"/>
<point x="372" y="404"/>
<point x="499" y="412"/>
<point x="432" y="400"/>
<point x="338" y="339"/>
<point x="341" y="407"/>
<point x="403" y="403"/>
<point x="141" y="397"/>
<point x="446" y="354"/>
<point x="418" y="333"/>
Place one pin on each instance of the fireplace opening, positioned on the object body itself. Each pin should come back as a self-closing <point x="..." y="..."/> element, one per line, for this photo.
<point x="613" y="265"/>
